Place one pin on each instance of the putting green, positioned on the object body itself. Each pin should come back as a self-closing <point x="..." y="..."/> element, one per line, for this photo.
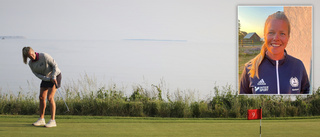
<point x="79" y="126"/>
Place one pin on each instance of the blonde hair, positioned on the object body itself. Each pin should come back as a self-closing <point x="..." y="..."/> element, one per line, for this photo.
<point x="25" y="53"/>
<point x="255" y="62"/>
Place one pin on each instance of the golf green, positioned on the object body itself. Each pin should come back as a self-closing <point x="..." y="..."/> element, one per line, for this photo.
<point x="80" y="126"/>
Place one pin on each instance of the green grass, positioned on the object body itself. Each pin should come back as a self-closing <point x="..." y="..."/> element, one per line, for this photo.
<point x="92" y="126"/>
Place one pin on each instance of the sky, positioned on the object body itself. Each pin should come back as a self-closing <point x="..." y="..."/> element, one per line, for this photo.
<point x="110" y="19"/>
<point x="252" y="18"/>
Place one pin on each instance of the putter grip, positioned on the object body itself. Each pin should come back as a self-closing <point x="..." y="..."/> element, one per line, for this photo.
<point x="55" y="85"/>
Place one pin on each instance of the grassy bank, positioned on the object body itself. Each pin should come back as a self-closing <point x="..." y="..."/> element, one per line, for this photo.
<point x="123" y="126"/>
<point x="154" y="103"/>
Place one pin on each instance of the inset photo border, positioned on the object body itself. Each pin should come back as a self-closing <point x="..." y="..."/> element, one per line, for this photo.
<point x="275" y="49"/>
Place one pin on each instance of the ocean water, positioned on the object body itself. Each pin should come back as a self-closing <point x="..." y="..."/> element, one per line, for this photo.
<point x="181" y="65"/>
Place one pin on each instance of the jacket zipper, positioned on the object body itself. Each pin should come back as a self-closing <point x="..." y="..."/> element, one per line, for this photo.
<point x="277" y="72"/>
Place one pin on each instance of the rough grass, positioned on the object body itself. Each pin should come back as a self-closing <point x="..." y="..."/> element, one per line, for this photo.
<point x="79" y="126"/>
<point x="109" y="102"/>
<point x="86" y="97"/>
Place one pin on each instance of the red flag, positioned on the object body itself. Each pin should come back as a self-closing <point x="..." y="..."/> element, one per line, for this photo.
<point x="254" y="114"/>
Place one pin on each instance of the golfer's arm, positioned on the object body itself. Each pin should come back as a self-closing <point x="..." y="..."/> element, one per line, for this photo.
<point x="54" y="66"/>
<point x="42" y="77"/>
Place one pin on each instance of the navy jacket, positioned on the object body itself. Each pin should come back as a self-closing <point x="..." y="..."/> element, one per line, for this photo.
<point x="286" y="76"/>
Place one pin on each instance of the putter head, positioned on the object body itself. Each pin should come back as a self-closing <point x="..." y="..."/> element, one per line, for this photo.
<point x="66" y="111"/>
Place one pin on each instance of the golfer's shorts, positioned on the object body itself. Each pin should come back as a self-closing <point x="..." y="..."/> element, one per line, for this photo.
<point x="49" y="84"/>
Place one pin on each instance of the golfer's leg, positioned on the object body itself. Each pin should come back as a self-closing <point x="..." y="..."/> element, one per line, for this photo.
<point x="51" y="94"/>
<point x="42" y="97"/>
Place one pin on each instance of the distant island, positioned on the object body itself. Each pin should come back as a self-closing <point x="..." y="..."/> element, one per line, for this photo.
<point x="156" y="40"/>
<point x="12" y="37"/>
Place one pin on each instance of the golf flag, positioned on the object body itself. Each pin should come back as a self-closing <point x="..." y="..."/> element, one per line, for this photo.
<point x="254" y="114"/>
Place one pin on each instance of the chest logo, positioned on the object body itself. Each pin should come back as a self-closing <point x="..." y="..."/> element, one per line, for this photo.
<point x="294" y="82"/>
<point x="261" y="82"/>
<point x="256" y="88"/>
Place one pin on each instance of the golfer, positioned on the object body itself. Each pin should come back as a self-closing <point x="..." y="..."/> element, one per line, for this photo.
<point x="274" y="71"/>
<point x="46" y="69"/>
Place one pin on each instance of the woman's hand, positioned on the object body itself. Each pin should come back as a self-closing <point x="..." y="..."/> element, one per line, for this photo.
<point x="54" y="81"/>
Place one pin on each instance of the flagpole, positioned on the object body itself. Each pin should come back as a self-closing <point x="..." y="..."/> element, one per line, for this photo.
<point x="260" y="127"/>
<point x="260" y="120"/>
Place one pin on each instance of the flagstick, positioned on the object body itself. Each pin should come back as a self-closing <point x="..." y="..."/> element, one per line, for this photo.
<point x="260" y="120"/>
<point x="260" y="127"/>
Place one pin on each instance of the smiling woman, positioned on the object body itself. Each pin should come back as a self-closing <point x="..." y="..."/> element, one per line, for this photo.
<point x="277" y="36"/>
<point x="273" y="71"/>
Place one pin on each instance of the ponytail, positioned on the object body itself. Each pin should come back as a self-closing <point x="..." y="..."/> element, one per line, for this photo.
<point x="255" y="62"/>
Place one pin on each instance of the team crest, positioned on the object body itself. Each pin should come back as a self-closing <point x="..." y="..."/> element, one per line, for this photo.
<point x="294" y="82"/>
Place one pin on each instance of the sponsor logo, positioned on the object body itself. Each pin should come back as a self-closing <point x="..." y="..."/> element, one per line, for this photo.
<point x="294" y="82"/>
<point x="261" y="82"/>
<point x="261" y="89"/>
<point x="256" y="88"/>
<point x="295" y="89"/>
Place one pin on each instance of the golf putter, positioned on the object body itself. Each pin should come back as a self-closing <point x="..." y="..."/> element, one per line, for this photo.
<point x="62" y="98"/>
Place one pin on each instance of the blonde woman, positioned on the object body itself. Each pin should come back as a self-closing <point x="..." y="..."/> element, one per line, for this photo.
<point x="46" y="69"/>
<point x="273" y="71"/>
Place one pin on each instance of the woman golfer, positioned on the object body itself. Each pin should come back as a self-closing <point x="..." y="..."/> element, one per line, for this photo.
<point x="274" y="71"/>
<point x="46" y="69"/>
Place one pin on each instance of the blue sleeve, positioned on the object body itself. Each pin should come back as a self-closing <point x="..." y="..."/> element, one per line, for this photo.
<point x="245" y="82"/>
<point x="305" y="85"/>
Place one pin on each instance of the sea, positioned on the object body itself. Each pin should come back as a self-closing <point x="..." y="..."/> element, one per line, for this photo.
<point x="196" y="67"/>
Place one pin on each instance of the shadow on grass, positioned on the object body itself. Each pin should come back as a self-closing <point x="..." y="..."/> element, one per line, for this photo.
<point x="17" y="125"/>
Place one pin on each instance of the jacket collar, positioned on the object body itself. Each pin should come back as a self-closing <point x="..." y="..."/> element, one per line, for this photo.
<point x="37" y="57"/>
<point x="273" y="62"/>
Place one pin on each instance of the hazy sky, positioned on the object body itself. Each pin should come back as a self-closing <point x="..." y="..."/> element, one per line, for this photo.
<point x="252" y="18"/>
<point x="191" y="20"/>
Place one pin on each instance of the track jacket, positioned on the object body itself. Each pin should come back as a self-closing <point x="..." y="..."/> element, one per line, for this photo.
<point x="44" y="67"/>
<point x="286" y="76"/>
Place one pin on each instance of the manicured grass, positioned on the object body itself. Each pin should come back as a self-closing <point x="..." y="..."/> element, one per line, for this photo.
<point x="78" y="126"/>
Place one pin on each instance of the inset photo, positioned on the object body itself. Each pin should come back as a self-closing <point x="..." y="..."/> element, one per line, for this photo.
<point x="275" y="49"/>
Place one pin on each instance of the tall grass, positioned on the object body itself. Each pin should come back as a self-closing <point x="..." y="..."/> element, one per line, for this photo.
<point x="85" y="97"/>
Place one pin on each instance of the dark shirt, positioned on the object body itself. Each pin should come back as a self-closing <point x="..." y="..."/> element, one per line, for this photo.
<point x="286" y="76"/>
